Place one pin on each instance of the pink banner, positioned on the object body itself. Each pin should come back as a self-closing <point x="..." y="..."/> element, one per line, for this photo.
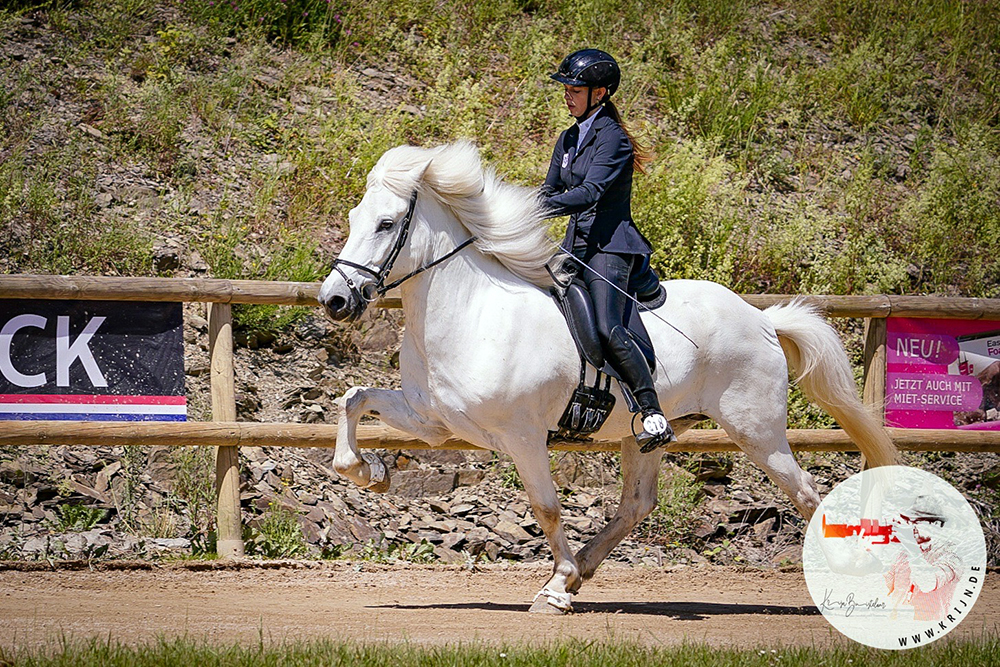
<point x="942" y="374"/>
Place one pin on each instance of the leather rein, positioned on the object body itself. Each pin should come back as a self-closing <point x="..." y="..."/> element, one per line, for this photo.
<point x="379" y="289"/>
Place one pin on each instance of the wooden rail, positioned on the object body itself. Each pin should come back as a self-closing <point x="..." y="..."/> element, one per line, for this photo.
<point x="212" y="290"/>
<point x="227" y="435"/>
<point x="233" y="434"/>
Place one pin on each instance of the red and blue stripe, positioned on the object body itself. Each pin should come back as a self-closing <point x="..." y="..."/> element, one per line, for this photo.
<point x="78" y="407"/>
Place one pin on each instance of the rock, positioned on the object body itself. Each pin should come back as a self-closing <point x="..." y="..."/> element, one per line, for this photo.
<point x="197" y="322"/>
<point x="462" y="509"/>
<point x="717" y="469"/>
<point x="170" y="543"/>
<point x="788" y="555"/>
<point x="18" y="473"/>
<point x="417" y="483"/>
<point x="511" y="532"/>
<point x="439" y="506"/>
<point x="441" y="456"/>
<point x="452" y="540"/>
<point x="764" y="528"/>
<point x="470" y="477"/>
<point x="753" y="515"/>
<point x="92" y="131"/>
<point x="447" y="555"/>
<point x="197" y="368"/>
<point x="162" y="467"/>
<point x="579" y="523"/>
<point x="89" y="492"/>
<point x="166" y="258"/>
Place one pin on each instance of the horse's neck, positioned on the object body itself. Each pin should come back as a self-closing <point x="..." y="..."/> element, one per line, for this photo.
<point x="437" y="303"/>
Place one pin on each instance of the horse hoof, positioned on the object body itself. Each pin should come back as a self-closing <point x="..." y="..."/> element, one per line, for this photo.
<point x="379" y="480"/>
<point x="550" y="602"/>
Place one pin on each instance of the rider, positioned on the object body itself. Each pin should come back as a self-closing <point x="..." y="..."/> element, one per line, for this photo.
<point x="590" y="179"/>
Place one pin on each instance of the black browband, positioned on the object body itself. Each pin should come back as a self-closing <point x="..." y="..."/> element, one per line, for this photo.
<point x="383" y="271"/>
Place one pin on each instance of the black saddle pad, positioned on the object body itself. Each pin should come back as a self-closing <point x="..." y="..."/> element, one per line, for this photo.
<point x="578" y="310"/>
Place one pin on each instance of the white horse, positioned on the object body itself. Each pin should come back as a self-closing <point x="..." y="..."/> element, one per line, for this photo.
<point x="487" y="357"/>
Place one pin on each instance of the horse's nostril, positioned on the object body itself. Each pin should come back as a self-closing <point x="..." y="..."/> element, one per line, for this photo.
<point x="337" y="304"/>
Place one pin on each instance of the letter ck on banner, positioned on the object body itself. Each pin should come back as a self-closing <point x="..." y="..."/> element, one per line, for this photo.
<point x="91" y="360"/>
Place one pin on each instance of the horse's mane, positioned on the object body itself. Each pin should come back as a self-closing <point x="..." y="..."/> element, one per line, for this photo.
<point x="506" y="218"/>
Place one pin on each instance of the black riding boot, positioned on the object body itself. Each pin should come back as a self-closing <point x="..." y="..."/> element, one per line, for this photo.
<point x="626" y="357"/>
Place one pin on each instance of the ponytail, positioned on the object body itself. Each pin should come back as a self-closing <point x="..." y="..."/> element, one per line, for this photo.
<point x="640" y="153"/>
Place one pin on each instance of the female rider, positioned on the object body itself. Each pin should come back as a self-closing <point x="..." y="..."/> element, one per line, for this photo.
<point x="590" y="179"/>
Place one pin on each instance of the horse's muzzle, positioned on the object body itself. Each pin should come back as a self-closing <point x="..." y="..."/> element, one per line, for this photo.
<point x="343" y="308"/>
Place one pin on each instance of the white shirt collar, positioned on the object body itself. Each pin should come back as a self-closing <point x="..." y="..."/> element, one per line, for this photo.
<point x="584" y="129"/>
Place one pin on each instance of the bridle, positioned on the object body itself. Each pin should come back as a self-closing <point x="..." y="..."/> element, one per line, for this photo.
<point x="379" y="288"/>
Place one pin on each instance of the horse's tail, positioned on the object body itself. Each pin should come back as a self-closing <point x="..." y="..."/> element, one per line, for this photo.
<point x="817" y="357"/>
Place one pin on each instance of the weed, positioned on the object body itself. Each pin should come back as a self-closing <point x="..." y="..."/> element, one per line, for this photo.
<point x="195" y="490"/>
<point x="275" y="534"/>
<point x="678" y="500"/>
<point x="507" y="472"/>
<point x="77" y="518"/>
<point x="379" y="550"/>
<point x="126" y="492"/>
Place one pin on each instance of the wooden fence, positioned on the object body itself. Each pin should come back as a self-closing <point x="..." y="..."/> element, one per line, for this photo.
<point x="227" y="435"/>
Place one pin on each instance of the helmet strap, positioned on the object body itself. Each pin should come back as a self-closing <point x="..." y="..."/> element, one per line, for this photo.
<point x="590" y="106"/>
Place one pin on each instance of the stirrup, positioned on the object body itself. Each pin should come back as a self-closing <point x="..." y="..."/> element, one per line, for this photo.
<point x="647" y="442"/>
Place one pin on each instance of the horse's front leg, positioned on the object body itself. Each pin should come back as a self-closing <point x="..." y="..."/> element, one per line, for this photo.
<point x="365" y="468"/>
<point x="532" y="462"/>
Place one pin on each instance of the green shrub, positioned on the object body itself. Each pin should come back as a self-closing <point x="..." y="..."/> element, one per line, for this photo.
<point x="73" y="517"/>
<point x="953" y="219"/>
<point x="275" y="534"/>
<point x="678" y="501"/>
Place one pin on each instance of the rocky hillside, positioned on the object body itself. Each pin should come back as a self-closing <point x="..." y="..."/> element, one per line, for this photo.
<point x="846" y="147"/>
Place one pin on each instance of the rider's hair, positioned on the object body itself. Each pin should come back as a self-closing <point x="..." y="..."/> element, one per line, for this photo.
<point x="640" y="152"/>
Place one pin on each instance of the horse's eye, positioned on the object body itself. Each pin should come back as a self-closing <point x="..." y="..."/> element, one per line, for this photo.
<point x="385" y="224"/>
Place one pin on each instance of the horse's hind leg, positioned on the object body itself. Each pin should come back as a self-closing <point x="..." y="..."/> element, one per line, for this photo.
<point x="640" y="476"/>
<point x="640" y="488"/>
<point x="391" y="407"/>
<point x="767" y="446"/>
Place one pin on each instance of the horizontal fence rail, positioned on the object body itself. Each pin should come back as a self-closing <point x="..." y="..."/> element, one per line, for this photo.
<point x="228" y="435"/>
<point x="250" y="434"/>
<point x="213" y="290"/>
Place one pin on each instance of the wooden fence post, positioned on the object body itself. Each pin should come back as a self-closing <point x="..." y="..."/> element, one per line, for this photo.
<point x="873" y="393"/>
<point x="229" y="529"/>
<point x="875" y="365"/>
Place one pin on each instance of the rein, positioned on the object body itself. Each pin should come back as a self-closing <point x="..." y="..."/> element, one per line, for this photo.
<point x="379" y="289"/>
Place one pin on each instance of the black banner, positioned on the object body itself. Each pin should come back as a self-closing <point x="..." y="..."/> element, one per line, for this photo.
<point x="108" y="360"/>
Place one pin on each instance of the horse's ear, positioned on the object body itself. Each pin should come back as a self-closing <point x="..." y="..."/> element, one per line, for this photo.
<point x="417" y="173"/>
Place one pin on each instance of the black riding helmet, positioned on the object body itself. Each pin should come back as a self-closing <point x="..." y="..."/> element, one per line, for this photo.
<point x="592" y="68"/>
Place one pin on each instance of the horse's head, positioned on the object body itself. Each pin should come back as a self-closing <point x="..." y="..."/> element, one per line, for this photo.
<point x="460" y="203"/>
<point x="379" y="229"/>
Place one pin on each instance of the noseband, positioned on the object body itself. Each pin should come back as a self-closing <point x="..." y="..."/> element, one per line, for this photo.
<point x="379" y="288"/>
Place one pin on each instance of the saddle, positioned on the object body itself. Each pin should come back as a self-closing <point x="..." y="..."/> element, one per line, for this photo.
<point x="590" y="406"/>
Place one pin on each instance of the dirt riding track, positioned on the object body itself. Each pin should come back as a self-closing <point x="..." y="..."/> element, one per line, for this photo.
<point x="424" y="604"/>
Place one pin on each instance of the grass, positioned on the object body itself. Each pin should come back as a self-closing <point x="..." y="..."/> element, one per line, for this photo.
<point x="603" y="653"/>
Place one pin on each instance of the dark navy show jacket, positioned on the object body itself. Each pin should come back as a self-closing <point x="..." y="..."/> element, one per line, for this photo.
<point x="594" y="187"/>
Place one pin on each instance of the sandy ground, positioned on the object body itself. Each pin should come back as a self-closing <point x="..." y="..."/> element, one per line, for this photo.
<point x="425" y="604"/>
